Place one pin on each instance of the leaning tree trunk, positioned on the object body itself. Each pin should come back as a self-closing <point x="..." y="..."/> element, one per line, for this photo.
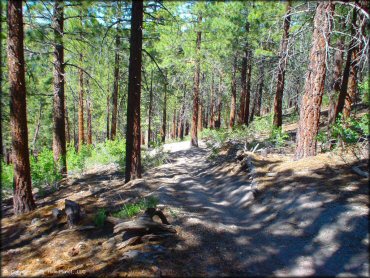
<point x="233" y="95"/>
<point x="352" y="81"/>
<point x="338" y="64"/>
<point x="59" y="129"/>
<point x="150" y="110"/>
<point x="194" y="123"/>
<point x="278" y="102"/>
<point x="314" y="87"/>
<point x="22" y="188"/>
<point x="248" y="89"/>
<point x="133" y="157"/>
<point x="346" y="73"/>
<point x="113" y="127"/>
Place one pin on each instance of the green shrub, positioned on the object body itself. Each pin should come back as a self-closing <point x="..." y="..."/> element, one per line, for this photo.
<point x="131" y="210"/>
<point x="278" y="136"/>
<point x="107" y="152"/>
<point x="100" y="217"/>
<point x="7" y="175"/>
<point x="350" y="130"/>
<point x="43" y="168"/>
<point x="365" y="92"/>
<point x="75" y="160"/>
<point x="152" y="158"/>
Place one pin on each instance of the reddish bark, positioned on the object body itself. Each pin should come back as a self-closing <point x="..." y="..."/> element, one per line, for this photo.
<point x="278" y="102"/>
<point x="113" y="128"/>
<point x="22" y="189"/>
<point x="233" y="95"/>
<point x="194" y="124"/>
<point x="133" y="157"/>
<point x="346" y="72"/>
<point x="314" y="86"/>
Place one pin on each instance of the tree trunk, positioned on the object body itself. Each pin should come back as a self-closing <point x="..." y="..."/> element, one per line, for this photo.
<point x="37" y="128"/>
<point x="314" y="87"/>
<point x="22" y="188"/>
<point x="150" y="110"/>
<point x="59" y="129"/>
<point x="194" y="124"/>
<point x="89" y="120"/>
<point x="67" y="124"/>
<point x="181" y="120"/>
<point x="164" y="115"/>
<point x="174" y="124"/>
<point x="233" y="95"/>
<point x="243" y="93"/>
<point x="338" y="64"/>
<point x="133" y="157"/>
<point x="113" y="128"/>
<point x="212" y="104"/>
<point x="108" y="115"/>
<point x="81" y="131"/>
<point x="346" y="73"/>
<point x="352" y="81"/>
<point x="248" y="89"/>
<point x="258" y="98"/>
<point x="200" y="116"/>
<point x="278" y="102"/>
<point x="219" y="106"/>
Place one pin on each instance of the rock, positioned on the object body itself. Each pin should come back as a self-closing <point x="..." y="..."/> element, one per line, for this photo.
<point x="132" y="254"/>
<point x="264" y="152"/>
<point x="271" y="174"/>
<point x="81" y="245"/>
<point x="36" y="221"/>
<point x="73" y="252"/>
<point x="57" y="213"/>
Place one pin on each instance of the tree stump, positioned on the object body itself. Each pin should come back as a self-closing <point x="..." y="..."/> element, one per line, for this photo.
<point x="73" y="211"/>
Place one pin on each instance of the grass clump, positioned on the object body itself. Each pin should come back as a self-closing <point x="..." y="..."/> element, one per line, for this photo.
<point x="133" y="209"/>
<point x="100" y="217"/>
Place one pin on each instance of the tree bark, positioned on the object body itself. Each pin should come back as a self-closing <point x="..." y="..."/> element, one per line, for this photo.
<point x="164" y="115"/>
<point x="22" y="189"/>
<point x="314" y="87"/>
<point x="67" y="124"/>
<point x="133" y="156"/>
<point x="113" y="128"/>
<point x="108" y="115"/>
<point x="346" y="73"/>
<point x="219" y="106"/>
<point x="338" y="64"/>
<point x="59" y="129"/>
<point x="194" y="124"/>
<point x="181" y="118"/>
<point x="212" y="105"/>
<point x="233" y="95"/>
<point x="243" y="93"/>
<point x="81" y="131"/>
<point x="258" y="98"/>
<point x="200" y="116"/>
<point x="278" y="102"/>
<point x="248" y="89"/>
<point x="89" y="115"/>
<point x="150" y="110"/>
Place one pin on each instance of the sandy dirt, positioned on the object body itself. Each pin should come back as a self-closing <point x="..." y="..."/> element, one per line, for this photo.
<point x="307" y="218"/>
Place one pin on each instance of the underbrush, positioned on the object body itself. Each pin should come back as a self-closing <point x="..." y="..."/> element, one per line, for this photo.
<point x="130" y="210"/>
<point x="102" y="154"/>
<point x="153" y="158"/>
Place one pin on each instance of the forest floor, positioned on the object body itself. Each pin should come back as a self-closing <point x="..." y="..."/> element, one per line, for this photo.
<point x="308" y="218"/>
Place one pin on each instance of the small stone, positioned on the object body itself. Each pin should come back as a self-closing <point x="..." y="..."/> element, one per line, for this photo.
<point x="57" y="213"/>
<point x="73" y="252"/>
<point x="82" y="245"/>
<point x="36" y="221"/>
<point x="132" y="254"/>
<point x="271" y="174"/>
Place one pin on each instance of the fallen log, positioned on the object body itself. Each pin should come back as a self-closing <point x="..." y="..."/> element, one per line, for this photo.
<point x="143" y="225"/>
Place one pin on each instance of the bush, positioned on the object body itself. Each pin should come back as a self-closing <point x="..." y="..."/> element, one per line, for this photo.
<point x="278" y="136"/>
<point x="108" y="152"/>
<point x="153" y="158"/>
<point x="131" y="210"/>
<point x="365" y="92"/>
<point x="76" y="160"/>
<point x="43" y="168"/>
<point x="7" y="173"/>
<point x="350" y="130"/>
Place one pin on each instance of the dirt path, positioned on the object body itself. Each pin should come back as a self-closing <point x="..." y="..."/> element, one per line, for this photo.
<point x="296" y="229"/>
<point x="302" y="223"/>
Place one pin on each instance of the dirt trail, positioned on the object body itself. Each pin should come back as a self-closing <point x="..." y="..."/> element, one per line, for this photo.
<point x="301" y="223"/>
<point x="295" y="228"/>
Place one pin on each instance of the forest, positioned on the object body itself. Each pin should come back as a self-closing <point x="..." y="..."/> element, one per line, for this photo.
<point x="184" y="138"/>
